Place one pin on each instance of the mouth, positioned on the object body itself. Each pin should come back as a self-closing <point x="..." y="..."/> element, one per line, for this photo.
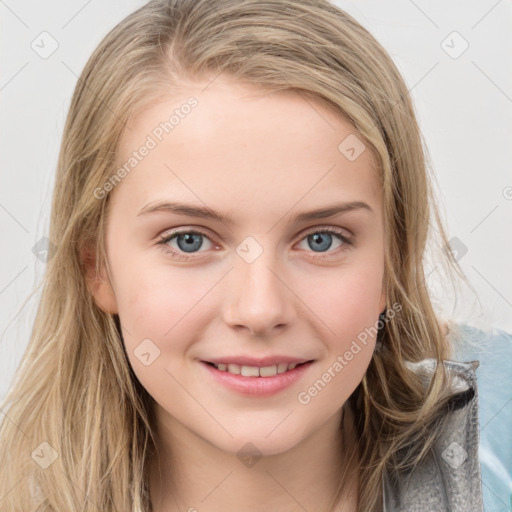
<point x="257" y="381"/>
<point x="256" y="371"/>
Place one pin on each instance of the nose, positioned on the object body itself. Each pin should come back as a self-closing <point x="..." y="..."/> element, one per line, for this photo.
<point x="259" y="299"/>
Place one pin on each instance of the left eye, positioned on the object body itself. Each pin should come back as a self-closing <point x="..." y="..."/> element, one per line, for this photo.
<point x="191" y="241"/>
<point x="188" y="241"/>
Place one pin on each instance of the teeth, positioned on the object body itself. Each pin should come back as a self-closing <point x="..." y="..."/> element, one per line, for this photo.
<point x="268" y="371"/>
<point x="255" y="371"/>
<point x="282" y="367"/>
<point x="234" y="368"/>
<point x="250" y="371"/>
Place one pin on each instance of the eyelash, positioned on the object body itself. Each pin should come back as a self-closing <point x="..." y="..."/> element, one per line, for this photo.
<point x="347" y="242"/>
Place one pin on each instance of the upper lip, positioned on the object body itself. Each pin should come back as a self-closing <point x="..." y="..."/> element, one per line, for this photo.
<point x="255" y="361"/>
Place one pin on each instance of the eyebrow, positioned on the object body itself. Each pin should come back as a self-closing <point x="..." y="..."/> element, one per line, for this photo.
<point x="206" y="213"/>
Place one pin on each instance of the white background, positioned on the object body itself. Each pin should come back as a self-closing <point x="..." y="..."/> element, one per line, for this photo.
<point x="464" y="106"/>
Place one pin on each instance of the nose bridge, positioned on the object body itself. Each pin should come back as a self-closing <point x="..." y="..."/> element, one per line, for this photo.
<point x="259" y="298"/>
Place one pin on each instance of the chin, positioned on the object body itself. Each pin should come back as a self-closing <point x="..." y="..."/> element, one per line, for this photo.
<point x="258" y="443"/>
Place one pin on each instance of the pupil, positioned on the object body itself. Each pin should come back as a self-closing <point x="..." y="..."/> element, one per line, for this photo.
<point x="321" y="240"/>
<point x="189" y="241"/>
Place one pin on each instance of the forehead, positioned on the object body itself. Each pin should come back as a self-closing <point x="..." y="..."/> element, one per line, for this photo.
<point x="245" y="144"/>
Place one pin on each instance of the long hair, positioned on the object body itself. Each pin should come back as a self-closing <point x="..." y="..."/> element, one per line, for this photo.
<point x="78" y="430"/>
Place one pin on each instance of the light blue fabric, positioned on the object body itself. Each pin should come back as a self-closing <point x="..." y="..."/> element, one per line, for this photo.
<point x="493" y="350"/>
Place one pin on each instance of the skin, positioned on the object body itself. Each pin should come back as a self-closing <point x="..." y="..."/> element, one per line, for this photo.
<point x="262" y="158"/>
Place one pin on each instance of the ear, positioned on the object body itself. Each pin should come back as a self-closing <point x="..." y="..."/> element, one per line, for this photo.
<point x="98" y="283"/>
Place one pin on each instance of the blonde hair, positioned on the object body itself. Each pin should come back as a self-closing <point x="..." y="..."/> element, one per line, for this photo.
<point x="75" y="389"/>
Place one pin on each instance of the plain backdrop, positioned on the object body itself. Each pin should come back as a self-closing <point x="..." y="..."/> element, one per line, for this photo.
<point x="455" y="57"/>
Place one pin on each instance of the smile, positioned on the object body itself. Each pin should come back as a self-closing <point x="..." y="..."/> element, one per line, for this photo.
<point x="255" y="371"/>
<point x="256" y="381"/>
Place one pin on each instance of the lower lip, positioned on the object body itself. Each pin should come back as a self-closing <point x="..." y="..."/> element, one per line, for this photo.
<point x="258" y="386"/>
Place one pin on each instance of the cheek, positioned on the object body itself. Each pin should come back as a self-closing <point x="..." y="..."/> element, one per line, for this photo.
<point x="348" y="308"/>
<point x="160" y="303"/>
<point x="158" y="311"/>
<point x="336" y="379"/>
<point x="347" y="301"/>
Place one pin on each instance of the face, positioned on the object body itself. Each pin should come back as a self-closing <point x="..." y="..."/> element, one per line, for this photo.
<point x="259" y="279"/>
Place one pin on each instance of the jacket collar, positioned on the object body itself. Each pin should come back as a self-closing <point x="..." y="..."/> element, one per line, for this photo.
<point x="449" y="478"/>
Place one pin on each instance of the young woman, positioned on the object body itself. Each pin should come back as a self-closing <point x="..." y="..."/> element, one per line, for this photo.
<point x="235" y="315"/>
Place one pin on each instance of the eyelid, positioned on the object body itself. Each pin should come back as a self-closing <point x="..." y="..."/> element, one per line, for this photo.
<point x="166" y="235"/>
<point x="329" y="228"/>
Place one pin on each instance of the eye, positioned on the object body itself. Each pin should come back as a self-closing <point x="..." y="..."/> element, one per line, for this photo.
<point x="190" y="241"/>
<point x="322" y="239"/>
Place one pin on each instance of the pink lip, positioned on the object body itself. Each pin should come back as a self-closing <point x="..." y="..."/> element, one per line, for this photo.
<point x="260" y="362"/>
<point x="257" y="386"/>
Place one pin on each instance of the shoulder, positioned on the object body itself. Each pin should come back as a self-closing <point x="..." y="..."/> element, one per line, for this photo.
<point x="449" y="478"/>
<point x="471" y="464"/>
<point x="493" y="349"/>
